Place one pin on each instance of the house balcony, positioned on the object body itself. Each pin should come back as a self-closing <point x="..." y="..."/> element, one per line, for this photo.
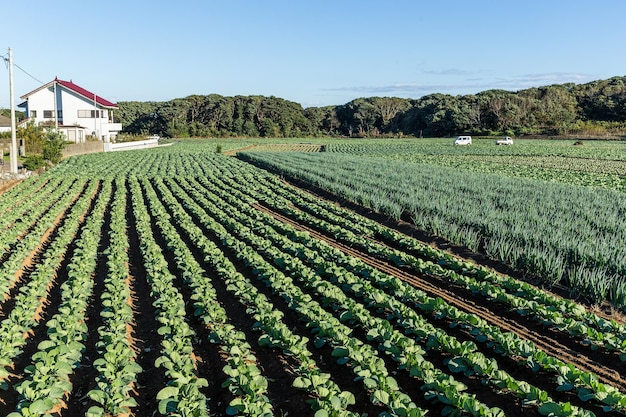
<point x="112" y="127"/>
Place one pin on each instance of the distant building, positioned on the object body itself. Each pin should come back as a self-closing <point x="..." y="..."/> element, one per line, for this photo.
<point x="72" y="110"/>
<point x="5" y="124"/>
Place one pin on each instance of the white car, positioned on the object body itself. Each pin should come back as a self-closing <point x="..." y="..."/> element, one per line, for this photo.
<point x="463" y="140"/>
<point x="507" y="140"/>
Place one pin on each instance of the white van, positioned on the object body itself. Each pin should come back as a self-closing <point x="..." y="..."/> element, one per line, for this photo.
<point x="507" y="140"/>
<point x="463" y="140"/>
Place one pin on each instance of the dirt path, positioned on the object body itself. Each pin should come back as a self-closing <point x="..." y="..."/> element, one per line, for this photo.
<point x="232" y="152"/>
<point x="490" y="312"/>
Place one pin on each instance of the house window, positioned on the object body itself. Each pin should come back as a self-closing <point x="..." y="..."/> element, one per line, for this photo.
<point x="49" y="114"/>
<point x="89" y="113"/>
<point x="33" y="113"/>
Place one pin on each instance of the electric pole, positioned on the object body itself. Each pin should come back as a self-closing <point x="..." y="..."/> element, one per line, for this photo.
<point x="13" y="151"/>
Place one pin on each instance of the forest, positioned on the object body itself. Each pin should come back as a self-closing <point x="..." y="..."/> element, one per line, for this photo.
<point x="593" y="110"/>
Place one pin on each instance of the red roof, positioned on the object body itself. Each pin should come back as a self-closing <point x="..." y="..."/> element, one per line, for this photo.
<point x="78" y="90"/>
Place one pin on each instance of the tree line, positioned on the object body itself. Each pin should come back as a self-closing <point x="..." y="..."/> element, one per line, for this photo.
<point x="595" y="109"/>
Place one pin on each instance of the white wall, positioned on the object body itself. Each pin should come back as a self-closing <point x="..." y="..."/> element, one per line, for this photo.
<point x="40" y="101"/>
<point x="127" y="146"/>
<point x="72" y="103"/>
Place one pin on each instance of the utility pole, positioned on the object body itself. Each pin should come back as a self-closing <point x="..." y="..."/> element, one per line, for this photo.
<point x="13" y="152"/>
<point x="56" y="112"/>
<point x="95" y="116"/>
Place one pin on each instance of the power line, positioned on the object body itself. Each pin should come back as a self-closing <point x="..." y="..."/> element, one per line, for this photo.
<point x="6" y="62"/>
<point x="24" y="71"/>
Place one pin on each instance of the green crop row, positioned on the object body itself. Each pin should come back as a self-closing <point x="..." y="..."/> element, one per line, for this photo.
<point x="19" y="322"/>
<point x="365" y="363"/>
<point x="21" y="246"/>
<point x="116" y="365"/>
<point x="245" y="380"/>
<point x="558" y="232"/>
<point x="246" y="217"/>
<point x="13" y="216"/>
<point x="328" y="398"/>
<point x="183" y="393"/>
<point x="49" y="377"/>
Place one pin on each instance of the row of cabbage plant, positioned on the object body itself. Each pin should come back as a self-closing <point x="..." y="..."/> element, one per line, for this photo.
<point x="245" y="380"/>
<point x="48" y="383"/>
<point x="28" y="238"/>
<point x="29" y="302"/>
<point x="14" y="197"/>
<point x="182" y="395"/>
<point x="13" y="211"/>
<point x="363" y="359"/>
<point x="437" y="338"/>
<point x="328" y="398"/>
<point x="116" y="365"/>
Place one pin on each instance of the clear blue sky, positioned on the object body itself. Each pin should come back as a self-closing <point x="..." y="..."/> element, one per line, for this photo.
<point x="315" y="53"/>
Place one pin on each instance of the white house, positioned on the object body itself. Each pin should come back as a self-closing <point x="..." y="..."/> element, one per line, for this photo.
<point x="72" y="110"/>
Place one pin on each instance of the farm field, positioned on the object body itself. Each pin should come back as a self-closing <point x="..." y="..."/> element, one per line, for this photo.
<point x="180" y="281"/>
<point x="593" y="163"/>
<point x="561" y="223"/>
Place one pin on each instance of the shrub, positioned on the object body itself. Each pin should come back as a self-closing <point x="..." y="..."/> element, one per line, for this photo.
<point x="53" y="146"/>
<point x="33" y="162"/>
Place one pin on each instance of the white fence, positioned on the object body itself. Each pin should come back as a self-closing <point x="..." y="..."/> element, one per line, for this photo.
<point x="127" y="146"/>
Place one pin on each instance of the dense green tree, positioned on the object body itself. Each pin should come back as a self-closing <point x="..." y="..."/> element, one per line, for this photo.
<point x="603" y="100"/>
<point x="323" y="121"/>
<point x="594" y="107"/>
<point x="138" y="117"/>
